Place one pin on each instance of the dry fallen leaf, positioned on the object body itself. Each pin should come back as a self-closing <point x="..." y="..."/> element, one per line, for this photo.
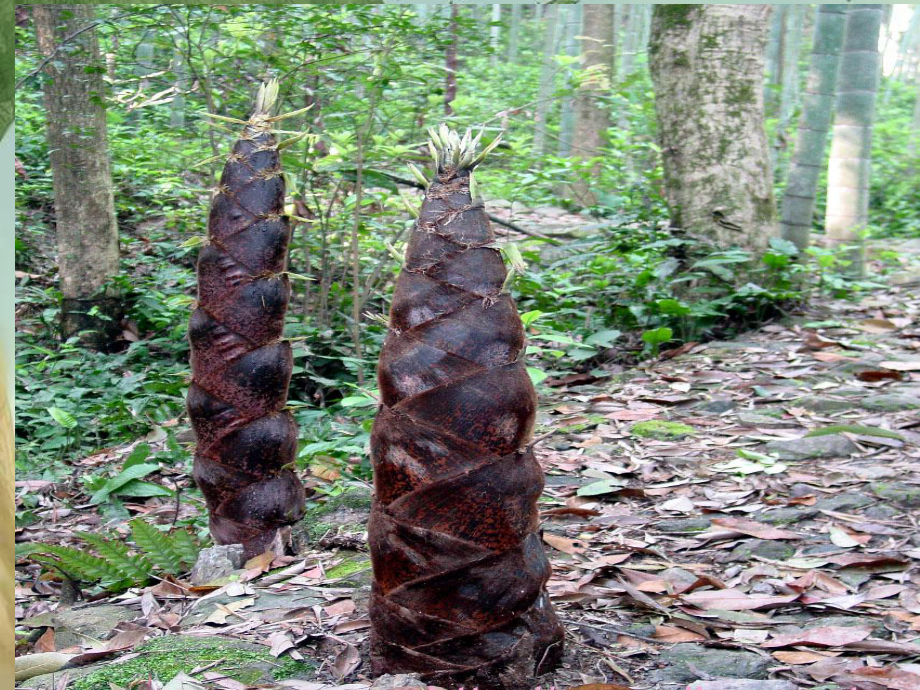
<point x="220" y="614"/>
<point x="753" y="528"/>
<point x="798" y="658"/>
<point x="831" y="636"/>
<point x="670" y="634"/>
<point x="569" y="546"/>
<point x="735" y="600"/>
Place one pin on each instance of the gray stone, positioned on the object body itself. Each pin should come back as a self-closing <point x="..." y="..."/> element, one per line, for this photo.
<point x="830" y="446"/>
<point x="903" y="495"/>
<point x="678" y="575"/>
<point x="270" y="606"/>
<point x="741" y="684"/>
<point x="890" y="402"/>
<point x="880" y="512"/>
<point x="687" y="662"/>
<point x="88" y="625"/>
<point x="718" y="406"/>
<point x="217" y="562"/>
<point x="820" y="403"/>
<point x="786" y="516"/>
<point x="773" y="550"/>
<point x="389" y="682"/>
<point x="843" y="502"/>
<point x="754" y="419"/>
<point x="680" y="525"/>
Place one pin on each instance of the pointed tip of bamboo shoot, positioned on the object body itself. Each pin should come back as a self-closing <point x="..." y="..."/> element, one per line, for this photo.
<point x="266" y="98"/>
<point x="450" y="151"/>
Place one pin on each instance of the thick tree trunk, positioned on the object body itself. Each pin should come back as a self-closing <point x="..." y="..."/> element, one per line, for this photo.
<point x="851" y="146"/>
<point x="707" y="64"/>
<point x="84" y="207"/>
<point x="592" y="115"/>
<point x="808" y="158"/>
<point x="547" y="72"/>
<point x="460" y="572"/>
<point x="514" y="30"/>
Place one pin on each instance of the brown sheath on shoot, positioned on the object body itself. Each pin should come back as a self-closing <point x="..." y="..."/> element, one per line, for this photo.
<point x="460" y="572"/>
<point x="241" y="366"/>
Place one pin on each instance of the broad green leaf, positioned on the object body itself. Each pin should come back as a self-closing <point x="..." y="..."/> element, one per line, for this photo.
<point x="62" y="417"/>
<point x="126" y="475"/>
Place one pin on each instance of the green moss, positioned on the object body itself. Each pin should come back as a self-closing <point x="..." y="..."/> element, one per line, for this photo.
<point x="740" y="94"/>
<point x="661" y="430"/>
<point x="672" y="16"/>
<point x="347" y="567"/>
<point x="164" y="657"/>
<point x="314" y="527"/>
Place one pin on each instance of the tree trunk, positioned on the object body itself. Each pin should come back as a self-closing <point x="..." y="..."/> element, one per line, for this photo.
<point x="788" y="80"/>
<point x="815" y="121"/>
<point x="514" y="31"/>
<point x="592" y="115"/>
<point x="460" y="573"/>
<point x="241" y="365"/>
<point x="567" y="119"/>
<point x="547" y="72"/>
<point x="707" y="65"/>
<point x="180" y="83"/>
<point x="495" y="32"/>
<point x="774" y="59"/>
<point x="84" y="207"/>
<point x="450" y="65"/>
<point x="851" y="146"/>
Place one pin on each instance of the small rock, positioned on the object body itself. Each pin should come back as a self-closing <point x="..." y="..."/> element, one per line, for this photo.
<point x="830" y="446"/>
<point x="718" y="406"/>
<point x="787" y="516"/>
<point x="87" y="625"/>
<point x="741" y="684"/>
<point x="818" y="403"/>
<point x="843" y="502"/>
<point x="764" y="548"/>
<point x="389" y="682"/>
<point x="686" y="662"/>
<point x="216" y="562"/>
<point x="681" y="525"/>
<point x="754" y="419"/>
<point x="890" y="402"/>
<point x="903" y="495"/>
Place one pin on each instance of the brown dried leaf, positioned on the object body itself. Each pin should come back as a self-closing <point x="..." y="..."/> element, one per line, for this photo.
<point x="753" y="528"/>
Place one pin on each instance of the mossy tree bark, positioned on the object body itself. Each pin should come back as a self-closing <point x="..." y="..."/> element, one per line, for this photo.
<point x="851" y="147"/>
<point x="808" y="158"/>
<point x="592" y="114"/>
<point x="707" y="64"/>
<point x="459" y="568"/>
<point x="84" y="206"/>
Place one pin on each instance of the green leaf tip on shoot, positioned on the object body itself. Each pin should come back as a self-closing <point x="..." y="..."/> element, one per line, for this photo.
<point x="410" y="205"/>
<point x="419" y="176"/>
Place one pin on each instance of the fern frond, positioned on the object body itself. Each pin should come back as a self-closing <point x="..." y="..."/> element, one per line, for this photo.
<point x="135" y="568"/>
<point x="80" y="565"/>
<point x="156" y="545"/>
<point x="186" y="545"/>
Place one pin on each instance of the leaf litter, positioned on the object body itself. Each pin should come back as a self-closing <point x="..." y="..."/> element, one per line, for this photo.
<point x="710" y="540"/>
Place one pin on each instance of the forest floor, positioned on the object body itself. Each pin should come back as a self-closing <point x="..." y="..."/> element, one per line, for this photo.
<point x="745" y="509"/>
